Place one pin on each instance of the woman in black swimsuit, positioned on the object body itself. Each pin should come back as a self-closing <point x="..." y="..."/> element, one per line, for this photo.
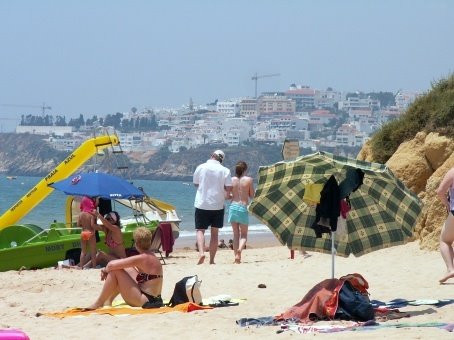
<point x="137" y="278"/>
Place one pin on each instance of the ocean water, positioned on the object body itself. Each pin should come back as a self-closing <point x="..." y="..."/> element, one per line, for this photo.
<point x="180" y="194"/>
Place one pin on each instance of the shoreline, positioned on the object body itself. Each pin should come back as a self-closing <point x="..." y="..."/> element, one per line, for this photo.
<point x="255" y="240"/>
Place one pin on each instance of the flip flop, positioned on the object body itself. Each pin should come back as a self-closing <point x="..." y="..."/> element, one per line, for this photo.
<point x="423" y="302"/>
<point x="223" y="304"/>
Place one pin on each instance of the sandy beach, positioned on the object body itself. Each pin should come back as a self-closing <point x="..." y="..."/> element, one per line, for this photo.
<point x="403" y="272"/>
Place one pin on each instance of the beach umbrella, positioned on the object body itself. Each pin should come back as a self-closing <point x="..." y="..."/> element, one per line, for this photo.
<point x="98" y="184"/>
<point x="383" y="211"/>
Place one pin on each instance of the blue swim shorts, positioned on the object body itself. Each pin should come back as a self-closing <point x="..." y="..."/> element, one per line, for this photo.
<point x="238" y="213"/>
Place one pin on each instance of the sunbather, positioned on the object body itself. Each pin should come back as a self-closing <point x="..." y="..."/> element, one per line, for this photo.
<point x="137" y="278"/>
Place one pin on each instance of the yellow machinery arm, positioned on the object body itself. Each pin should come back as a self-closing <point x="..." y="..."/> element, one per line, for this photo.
<point x="41" y="190"/>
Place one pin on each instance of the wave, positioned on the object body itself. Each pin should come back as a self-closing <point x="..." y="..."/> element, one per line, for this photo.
<point x="227" y="230"/>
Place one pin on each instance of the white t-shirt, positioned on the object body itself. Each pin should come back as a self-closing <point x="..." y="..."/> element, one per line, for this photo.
<point x="211" y="178"/>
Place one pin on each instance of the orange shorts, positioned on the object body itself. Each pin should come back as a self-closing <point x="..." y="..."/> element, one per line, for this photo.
<point x="86" y="235"/>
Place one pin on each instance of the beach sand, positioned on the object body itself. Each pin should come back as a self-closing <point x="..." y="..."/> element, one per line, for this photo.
<point x="400" y="272"/>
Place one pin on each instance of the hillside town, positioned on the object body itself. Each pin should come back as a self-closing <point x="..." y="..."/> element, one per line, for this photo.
<point x="316" y="118"/>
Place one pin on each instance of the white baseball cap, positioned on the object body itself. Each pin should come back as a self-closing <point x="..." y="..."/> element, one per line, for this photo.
<point x="220" y="155"/>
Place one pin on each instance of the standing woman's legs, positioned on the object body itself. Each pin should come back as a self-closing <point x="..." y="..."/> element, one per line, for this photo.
<point x="236" y="239"/>
<point x="447" y="253"/>
<point x="243" y="240"/>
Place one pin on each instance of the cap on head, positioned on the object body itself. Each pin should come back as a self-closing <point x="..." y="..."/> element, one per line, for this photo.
<point x="219" y="155"/>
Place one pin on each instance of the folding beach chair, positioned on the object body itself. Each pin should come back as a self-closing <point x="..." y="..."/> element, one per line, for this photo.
<point x="156" y="243"/>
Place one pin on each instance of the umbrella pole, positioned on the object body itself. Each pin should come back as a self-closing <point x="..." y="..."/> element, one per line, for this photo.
<point x="333" y="253"/>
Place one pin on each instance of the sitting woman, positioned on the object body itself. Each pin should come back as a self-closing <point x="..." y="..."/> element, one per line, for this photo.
<point x="113" y="240"/>
<point x="137" y="278"/>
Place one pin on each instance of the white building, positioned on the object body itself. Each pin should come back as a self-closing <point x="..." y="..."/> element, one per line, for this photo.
<point x="45" y="130"/>
<point x="230" y="108"/>
<point x="405" y="99"/>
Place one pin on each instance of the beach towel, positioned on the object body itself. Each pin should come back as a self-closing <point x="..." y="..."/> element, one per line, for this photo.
<point x="123" y="309"/>
<point x="167" y="240"/>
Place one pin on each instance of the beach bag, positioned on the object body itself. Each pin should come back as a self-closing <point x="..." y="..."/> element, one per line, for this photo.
<point x="186" y="290"/>
<point x="353" y="305"/>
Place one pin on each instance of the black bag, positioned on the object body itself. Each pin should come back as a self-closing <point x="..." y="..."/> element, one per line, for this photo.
<point x="353" y="305"/>
<point x="186" y="290"/>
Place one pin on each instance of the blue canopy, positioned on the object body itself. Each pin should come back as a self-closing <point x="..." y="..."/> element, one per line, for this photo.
<point x="98" y="184"/>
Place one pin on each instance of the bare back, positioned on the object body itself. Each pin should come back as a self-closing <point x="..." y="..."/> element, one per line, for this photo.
<point x="85" y="220"/>
<point x="242" y="189"/>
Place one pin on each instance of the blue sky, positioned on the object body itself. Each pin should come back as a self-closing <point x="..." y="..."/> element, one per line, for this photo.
<point x="100" y="57"/>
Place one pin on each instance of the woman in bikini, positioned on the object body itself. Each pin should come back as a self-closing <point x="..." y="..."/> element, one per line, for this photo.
<point x="242" y="191"/>
<point x="137" y="278"/>
<point x="113" y="240"/>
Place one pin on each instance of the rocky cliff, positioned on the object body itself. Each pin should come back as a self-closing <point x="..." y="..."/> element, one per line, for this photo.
<point x="421" y="164"/>
<point x="31" y="155"/>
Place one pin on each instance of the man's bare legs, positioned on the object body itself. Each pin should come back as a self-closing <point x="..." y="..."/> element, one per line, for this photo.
<point x="447" y="253"/>
<point x="214" y="243"/>
<point x="200" y="234"/>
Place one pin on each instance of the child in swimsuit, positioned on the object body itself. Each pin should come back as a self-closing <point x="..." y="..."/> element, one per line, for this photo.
<point x="87" y="235"/>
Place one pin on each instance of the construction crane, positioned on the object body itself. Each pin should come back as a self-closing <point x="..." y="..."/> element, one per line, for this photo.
<point x="256" y="77"/>
<point x="42" y="107"/>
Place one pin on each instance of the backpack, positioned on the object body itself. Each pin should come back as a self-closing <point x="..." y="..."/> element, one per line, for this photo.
<point x="186" y="290"/>
<point x="353" y="305"/>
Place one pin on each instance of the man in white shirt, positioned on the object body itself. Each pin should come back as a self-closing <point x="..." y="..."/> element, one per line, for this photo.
<point x="214" y="185"/>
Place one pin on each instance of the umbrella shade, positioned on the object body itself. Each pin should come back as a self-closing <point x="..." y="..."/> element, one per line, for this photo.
<point x="383" y="211"/>
<point x="98" y="184"/>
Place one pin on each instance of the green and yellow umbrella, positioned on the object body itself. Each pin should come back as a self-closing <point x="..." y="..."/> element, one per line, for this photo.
<point x="383" y="211"/>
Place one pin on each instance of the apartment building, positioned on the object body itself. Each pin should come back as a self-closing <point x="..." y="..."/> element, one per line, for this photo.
<point x="348" y="135"/>
<point x="248" y="107"/>
<point x="270" y="107"/>
<point x="229" y="108"/>
<point x="327" y="99"/>
<point x="405" y="99"/>
<point x="303" y="96"/>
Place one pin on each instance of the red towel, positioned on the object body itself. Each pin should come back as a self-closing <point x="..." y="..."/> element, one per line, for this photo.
<point x="166" y="237"/>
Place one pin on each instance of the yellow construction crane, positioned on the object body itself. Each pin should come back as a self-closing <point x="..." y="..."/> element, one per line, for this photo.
<point x="256" y="77"/>
<point x="42" y="107"/>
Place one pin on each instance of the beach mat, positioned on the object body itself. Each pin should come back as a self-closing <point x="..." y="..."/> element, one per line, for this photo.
<point x="123" y="309"/>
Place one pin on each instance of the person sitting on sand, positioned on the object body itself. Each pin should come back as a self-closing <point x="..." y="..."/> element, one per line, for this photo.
<point x="113" y="240"/>
<point x="222" y="244"/>
<point x="137" y="278"/>
<point x="87" y="235"/>
<point x="445" y="193"/>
